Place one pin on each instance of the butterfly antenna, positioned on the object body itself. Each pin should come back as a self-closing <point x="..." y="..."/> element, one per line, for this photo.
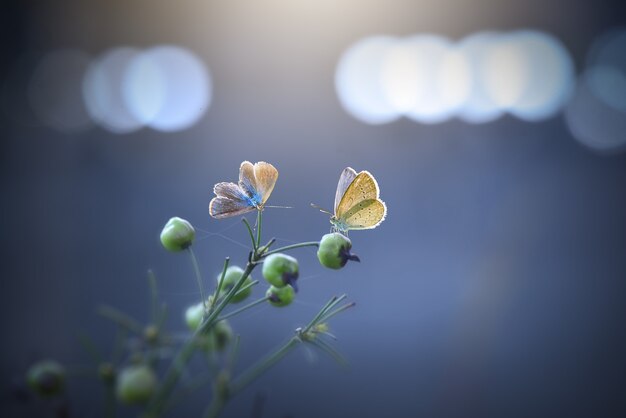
<point x="278" y="207"/>
<point x="321" y="209"/>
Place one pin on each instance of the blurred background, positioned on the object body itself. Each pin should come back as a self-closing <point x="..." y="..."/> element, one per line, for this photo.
<point x="496" y="131"/>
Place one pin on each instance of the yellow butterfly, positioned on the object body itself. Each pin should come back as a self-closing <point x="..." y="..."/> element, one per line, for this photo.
<point x="357" y="202"/>
<point x="256" y="182"/>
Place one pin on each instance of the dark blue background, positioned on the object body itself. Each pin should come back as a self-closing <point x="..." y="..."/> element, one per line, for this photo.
<point x="495" y="288"/>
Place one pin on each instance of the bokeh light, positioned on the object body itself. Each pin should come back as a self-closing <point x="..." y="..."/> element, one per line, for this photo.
<point x="424" y="78"/>
<point x="528" y="74"/>
<point x="167" y="88"/>
<point x="479" y="106"/>
<point x="55" y="93"/>
<point x="358" y="81"/>
<point x="533" y="75"/>
<point x="596" y="116"/>
<point x="607" y="59"/>
<point x="103" y="94"/>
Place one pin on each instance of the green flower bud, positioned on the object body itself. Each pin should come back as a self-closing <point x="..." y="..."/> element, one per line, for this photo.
<point x="177" y="234"/>
<point x="106" y="371"/>
<point x="136" y="384"/>
<point x="232" y="276"/>
<point x="47" y="378"/>
<point x="281" y="270"/>
<point x="151" y="333"/>
<point x="193" y="316"/>
<point x="334" y="251"/>
<point x="217" y="338"/>
<point x="280" y="296"/>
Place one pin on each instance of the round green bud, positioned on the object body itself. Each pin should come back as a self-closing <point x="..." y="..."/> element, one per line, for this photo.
<point x="232" y="276"/>
<point x="194" y="315"/>
<point x="151" y="333"/>
<point x="281" y="270"/>
<point x="106" y="371"/>
<point x="46" y="378"/>
<point x="334" y="251"/>
<point x="217" y="338"/>
<point x="177" y="234"/>
<point x="136" y="384"/>
<point x="280" y="296"/>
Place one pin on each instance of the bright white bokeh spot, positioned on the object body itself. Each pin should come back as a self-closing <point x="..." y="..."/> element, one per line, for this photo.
<point x="168" y="88"/>
<point x="55" y="94"/>
<point x="479" y="106"/>
<point x="427" y="78"/>
<point x="593" y="122"/>
<point x="102" y="91"/>
<point x="550" y="76"/>
<point x="454" y="81"/>
<point x="358" y="81"/>
<point x="424" y="79"/>
<point x="506" y="72"/>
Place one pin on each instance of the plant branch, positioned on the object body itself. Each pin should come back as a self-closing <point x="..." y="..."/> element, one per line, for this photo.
<point x="293" y="246"/>
<point x="196" y="269"/>
<point x="243" y="308"/>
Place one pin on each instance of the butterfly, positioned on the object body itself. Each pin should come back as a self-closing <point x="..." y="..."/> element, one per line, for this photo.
<point x="357" y="202"/>
<point x="256" y="182"/>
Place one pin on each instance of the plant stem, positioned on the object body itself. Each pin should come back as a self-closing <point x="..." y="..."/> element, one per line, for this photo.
<point x="120" y="318"/>
<point x="220" y="284"/>
<point x="243" y="308"/>
<point x="184" y="355"/>
<point x="196" y="269"/>
<point x="258" y="369"/>
<point x="259" y="220"/>
<point x="293" y="246"/>
<point x="245" y="221"/>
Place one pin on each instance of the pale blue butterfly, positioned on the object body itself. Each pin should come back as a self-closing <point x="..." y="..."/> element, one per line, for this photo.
<point x="256" y="182"/>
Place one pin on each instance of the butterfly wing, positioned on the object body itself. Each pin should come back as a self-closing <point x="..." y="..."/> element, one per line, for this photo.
<point x="247" y="180"/>
<point x="347" y="176"/>
<point x="229" y="200"/>
<point x="265" y="175"/>
<point x="257" y="181"/>
<point x="360" y="206"/>
<point x="367" y="214"/>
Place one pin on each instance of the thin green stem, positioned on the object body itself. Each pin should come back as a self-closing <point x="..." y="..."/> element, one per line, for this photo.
<point x="293" y="246"/>
<point x="220" y="284"/>
<point x="319" y="314"/>
<point x="120" y="318"/>
<point x="184" y="355"/>
<point x="249" y="228"/>
<point x="196" y="270"/>
<point x="214" y="408"/>
<point x="259" y="221"/>
<point x="243" y="308"/>
<point x="327" y="316"/>
<point x="261" y="367"/>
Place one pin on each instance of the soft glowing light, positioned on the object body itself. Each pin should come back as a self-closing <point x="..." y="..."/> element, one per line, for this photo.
<point x="167" y="88"/>
<point x="358" y="81"/>
<point x="426" y="78"/>
<point x="54" y="92"/>
<point x="550" y="75"/>
<point x="594" y="123"/>
<point x="419" y="77"/>
<point x="607" y="64"/>
<point x="102" y="91"/>
<point x="479" y="106"/>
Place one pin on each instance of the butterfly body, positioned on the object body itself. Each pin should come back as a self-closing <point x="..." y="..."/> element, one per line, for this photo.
<point x="256" y="182"/>
<point x="357" y="202"/>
